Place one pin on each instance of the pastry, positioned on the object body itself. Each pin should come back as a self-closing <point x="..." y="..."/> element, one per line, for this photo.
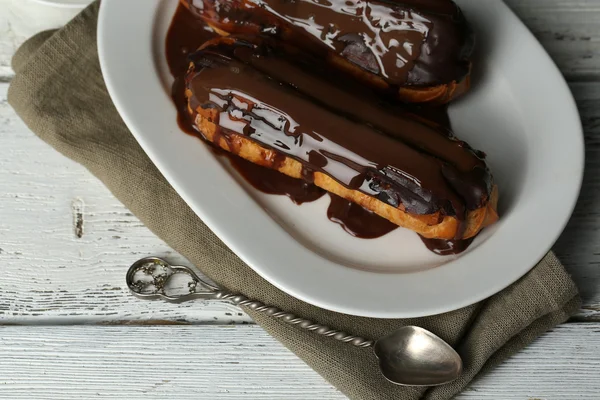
<point x="286" y="113"/>
<point x="417" y="50"/>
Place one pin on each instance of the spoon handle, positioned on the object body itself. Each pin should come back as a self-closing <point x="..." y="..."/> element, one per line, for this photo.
<point x="159" y="271"/>
<point x="291" y="319"/>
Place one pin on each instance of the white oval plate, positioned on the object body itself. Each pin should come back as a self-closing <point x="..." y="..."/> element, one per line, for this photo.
<point x="520" y="112"/>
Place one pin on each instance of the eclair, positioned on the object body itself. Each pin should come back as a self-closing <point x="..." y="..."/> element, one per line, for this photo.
<point x="418" y="51"/>
<point x="286" y="113"/>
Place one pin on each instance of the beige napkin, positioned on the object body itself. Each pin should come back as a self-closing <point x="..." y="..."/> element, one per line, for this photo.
<point x="59" y="92"/>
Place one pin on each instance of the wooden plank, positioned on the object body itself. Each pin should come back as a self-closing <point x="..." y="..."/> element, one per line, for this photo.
<point x="203" y="362"/>
<point x="562" y="364"/>
<point x="20" y="19"/>
<point x="579" y="245"/>
<point x="152" y="362"/>
<point x="568" y="31"/>
<point x="8" y="41"/>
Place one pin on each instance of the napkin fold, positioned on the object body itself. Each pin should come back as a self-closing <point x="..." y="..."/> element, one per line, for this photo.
<point x="60" y="94"/>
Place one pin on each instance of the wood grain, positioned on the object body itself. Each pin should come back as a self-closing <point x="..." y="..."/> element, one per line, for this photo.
<point x="562" y="364"/>
<point x="49" y="273"/>
<point x="579" y="245"/>
<point x="204" y="362"/>
<point x="568" y="30"/>
<point x="20" y="19"/>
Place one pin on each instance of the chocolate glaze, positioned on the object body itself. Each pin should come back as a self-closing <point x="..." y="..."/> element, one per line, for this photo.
<point x="184" y="34"/>
<point x="406" y="42"/>
<point x="310" y="77"/>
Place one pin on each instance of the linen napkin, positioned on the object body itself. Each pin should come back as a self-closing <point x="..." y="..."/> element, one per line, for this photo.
<point x="60" y="94"/>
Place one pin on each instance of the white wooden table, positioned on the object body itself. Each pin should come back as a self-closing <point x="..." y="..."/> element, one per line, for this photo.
<point x="70" y="329"/>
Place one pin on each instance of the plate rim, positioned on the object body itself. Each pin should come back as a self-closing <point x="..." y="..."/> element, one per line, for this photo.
<point x="116" y="92"/>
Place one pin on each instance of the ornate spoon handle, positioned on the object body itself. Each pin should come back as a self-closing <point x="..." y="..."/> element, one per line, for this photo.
<point x="149" y="278"/>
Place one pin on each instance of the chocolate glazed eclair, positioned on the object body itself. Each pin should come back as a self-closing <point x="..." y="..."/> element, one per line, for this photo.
<point x="285" y="112"/>
<point x="417" y="50"/>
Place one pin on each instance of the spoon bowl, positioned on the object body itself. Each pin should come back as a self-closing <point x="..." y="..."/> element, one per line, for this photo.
<point x="414" y="356"/>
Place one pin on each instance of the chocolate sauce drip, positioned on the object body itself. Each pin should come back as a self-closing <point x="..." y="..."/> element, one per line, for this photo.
<point x="270" y="181"/>
<point x="446" y="247"/>
<point x="184" y="119"/>
<point x="184" y="37"/>
<point x="356" y="220"/>
<point x="409" y="42"/>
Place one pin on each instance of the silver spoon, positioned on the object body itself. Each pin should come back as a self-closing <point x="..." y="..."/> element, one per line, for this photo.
<point x="410" y="356"/>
